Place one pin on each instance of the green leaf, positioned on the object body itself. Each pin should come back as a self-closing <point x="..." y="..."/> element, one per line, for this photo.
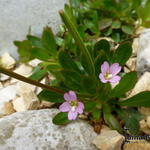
<point x="38" y="73"/>
<point x="96" y="114"/>
<point x="133" y="125"/>
<point x="131" y="117"/>
<point x="89" y="106"/>
<point x="123" y="53"/>
<point x="67" y="62"/>
<point x="24" y="50"/>
<point x="112" y="122"/>
<point x="116" y="36"/>
<point x="110" y="119"/>
<point x="72" y="80"/>
<point x="99" y="61"/>
<point x="51" y="96"/>
<point x="39" y="53"/>
<point x="101" y="45"/>
<point x="116" y="24"/>
<point x="53" y="66"/>
<point x="86" y="81"/>
<point x="127" y="29"/>
<point x="49" y="41"/>
<point x="35" y="41"/>
<point x="141" y="99"/>
<point x="108" y="32"/>
<point x="127" y="82"/>
<point x="79" y="41"/>
<point x="61" y="119"/>
<point x="105" y="23"/>
<point x="69" y="12"/>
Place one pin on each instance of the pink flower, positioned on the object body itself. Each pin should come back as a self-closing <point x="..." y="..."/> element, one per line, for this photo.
<point x="72" y="105"/>
<point x="109" y="73"/>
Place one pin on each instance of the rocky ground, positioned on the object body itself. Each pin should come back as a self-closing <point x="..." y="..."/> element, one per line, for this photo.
<point x="26" y="125"/>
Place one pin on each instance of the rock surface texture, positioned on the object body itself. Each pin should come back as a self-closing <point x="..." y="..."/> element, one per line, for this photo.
<point x="34" y="130"/>
<point x="109" y="140"/>
<point x="17" y="17"/>
<point x="143" y="53"/>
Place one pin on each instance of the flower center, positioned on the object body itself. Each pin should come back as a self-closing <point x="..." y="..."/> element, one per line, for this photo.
<point x="108" y="76"/>
<point x="73" y="105"/>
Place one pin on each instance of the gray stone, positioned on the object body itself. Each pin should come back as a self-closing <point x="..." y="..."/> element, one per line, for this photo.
<point x="17" y="16"/>
<point x="34" y="130"/>
<point x="143" y="53"/>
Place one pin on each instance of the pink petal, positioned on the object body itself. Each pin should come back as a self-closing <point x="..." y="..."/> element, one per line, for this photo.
<point x="105" y="67"/>
<point x="71" y="95"/>
<point x="115" y="69"/>
<point x="65" y="107"/>
<point x="72" y="115"/>
<point x="115" y="79"/>
<point x="101" y="77"/>
<point x="80" y="107"/>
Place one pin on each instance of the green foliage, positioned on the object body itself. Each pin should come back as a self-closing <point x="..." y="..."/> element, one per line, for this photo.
<point x="49" y="41"/>
<point x="110" y="119"/>
<point x="61" y="119"/>
<point x="112" y="18"/>
<point x="67" y="62"/>
<point x="123" y="53"/>
<point x="101" y="45"/>
<point x="74" y="57"/>
<point x="141" y="99"/>
<point x="24" y="50"/>
<point x="124" y="85"/>
<point x="51" y="96"/>
<point x="38" y="73"/>
<point x="131" y="117"/>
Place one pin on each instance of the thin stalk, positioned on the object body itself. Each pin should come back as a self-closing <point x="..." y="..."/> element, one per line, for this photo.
<point x="27" y="80"/>
<point x="79" y="41"/>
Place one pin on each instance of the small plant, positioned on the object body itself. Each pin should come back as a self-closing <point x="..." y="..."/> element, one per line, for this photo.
<point x="89" y="78"/>
<point x="117" y="19"/>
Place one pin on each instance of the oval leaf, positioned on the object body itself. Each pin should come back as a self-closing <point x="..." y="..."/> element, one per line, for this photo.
<point x="123" y="53"/>
<point x="40" y="53"/>
<point x="51" y="96"/>
<point x="127" y="29"/>
<point x="101" y="45"/>
<point x="67" y="62"/>
<point x="49" y="41"/>
<point x="141" y="99"/>
<point x="116" y="24"/>
<point x="35" y="41"/>
<point x="38" y="73"/>
<point x="127" y="82"/>
<point x="61" y="118"/>
<point x="110" y="119"/>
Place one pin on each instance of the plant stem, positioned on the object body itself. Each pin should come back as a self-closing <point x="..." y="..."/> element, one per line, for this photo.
<point x="27" y="80"/>
<point x="79" y="41"/>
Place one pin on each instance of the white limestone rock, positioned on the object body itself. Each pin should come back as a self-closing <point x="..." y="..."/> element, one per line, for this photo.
<point x="3" y="77"/>
<point x="8" y="108"/>
<point x="7" y="94"/>
<point x="23" y="88"/>
<point x="17" y="17"/>
<point x="7" y="61"/>
<point x="143" y="84"/>
<point x="34" y="62"/>
<point x="34" y="130"/>
<point x="109" y="140"/>
<point x="27" y="101"/>
<point x="131" y="64"/>
<point x="143" y="54"/>
<point x="24" y="70"/>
